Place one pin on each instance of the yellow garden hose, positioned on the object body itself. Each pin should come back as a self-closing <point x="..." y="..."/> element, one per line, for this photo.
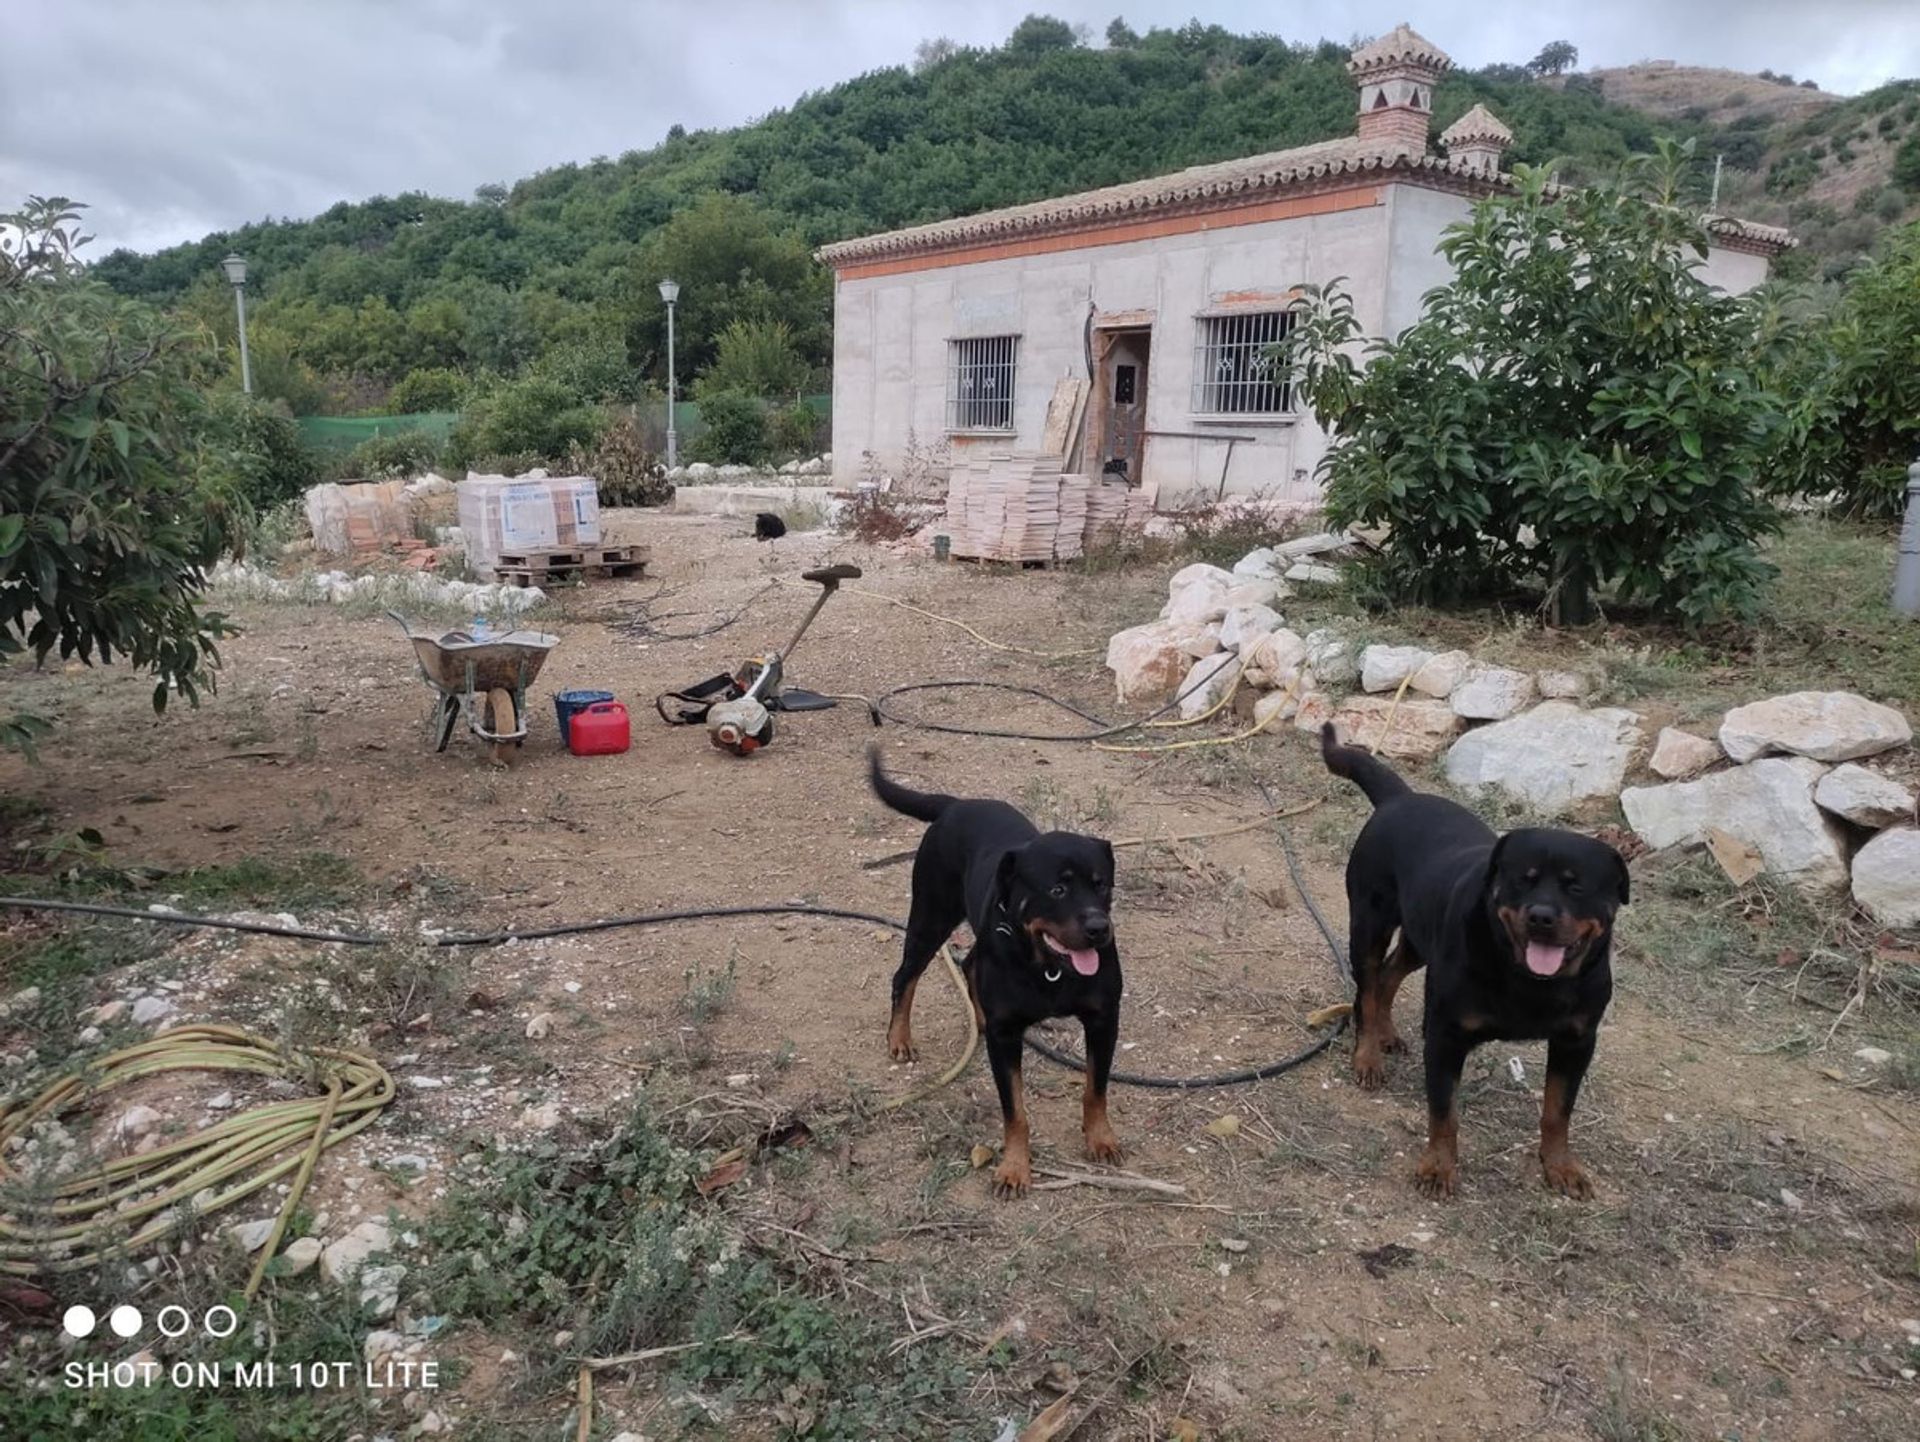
<point x="987" y="641"/>
<point x="78" y="1222"/>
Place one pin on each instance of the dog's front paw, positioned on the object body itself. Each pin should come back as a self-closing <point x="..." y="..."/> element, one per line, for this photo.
<point x="1102" y="1144"/>
<point x="900" y="1044"/>
<point x="1393" y="1043"/>
<point x="1368" y="1067"/>
<point x="1012" y="1178"/>
<point x="1436" y="1174"/>
<point x="1563" y="1173"/>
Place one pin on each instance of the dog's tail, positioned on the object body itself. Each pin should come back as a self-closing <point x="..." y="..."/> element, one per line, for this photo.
<point x="1362" y="768"/>
<point x="920" y="805"/>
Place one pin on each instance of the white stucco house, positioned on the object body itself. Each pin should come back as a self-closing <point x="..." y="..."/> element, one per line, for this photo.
<point x="1167" y="294"/>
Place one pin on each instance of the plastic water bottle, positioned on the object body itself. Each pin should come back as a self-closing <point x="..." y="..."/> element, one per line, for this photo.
<point x="478" y="630"/>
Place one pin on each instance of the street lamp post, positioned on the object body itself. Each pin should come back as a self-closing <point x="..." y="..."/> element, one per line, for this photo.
<point x="670" y="292"/>
<point x="236" y="269"/>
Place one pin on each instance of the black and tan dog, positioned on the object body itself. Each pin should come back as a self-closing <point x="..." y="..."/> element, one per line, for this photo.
<point x="1514" y="932"/>
<point x="1040" y="906"/>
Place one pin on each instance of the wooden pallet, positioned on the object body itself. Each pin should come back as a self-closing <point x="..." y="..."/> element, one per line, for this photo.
<point x="578" y="563"/>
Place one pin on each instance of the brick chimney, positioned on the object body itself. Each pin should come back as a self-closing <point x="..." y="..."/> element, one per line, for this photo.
<point x="1396" y="76"/>
<point x="1476" y="141"/>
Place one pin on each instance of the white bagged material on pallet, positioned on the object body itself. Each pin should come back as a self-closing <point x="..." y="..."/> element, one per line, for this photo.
<point x="526" y="513"/>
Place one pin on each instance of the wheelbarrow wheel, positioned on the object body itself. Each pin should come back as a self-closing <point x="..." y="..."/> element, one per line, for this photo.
<point x="501" y="720"/>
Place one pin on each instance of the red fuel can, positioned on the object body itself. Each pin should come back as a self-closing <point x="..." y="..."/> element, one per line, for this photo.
<point x="601" y="730"/>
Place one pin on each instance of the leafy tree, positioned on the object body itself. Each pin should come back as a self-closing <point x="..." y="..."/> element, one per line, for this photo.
<point x="937" y="51"/>
<point x="1556" y="58"/>
<point x="1864" y="383"/>
<point x="1038" y="34"/>
<point x="107" y="528"/>
<point x="593" y="368"/>
<point x="533" y="416"/>
<point x="1574" y="409"/>
<point x="427" y="388"/>
<point x="756" y="358"/>
<point x="733" y="428"/>
<point x="731" y="265"/>
<point x="1120" y="35"/>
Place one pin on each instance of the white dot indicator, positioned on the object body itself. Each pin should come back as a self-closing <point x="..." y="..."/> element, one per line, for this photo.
<point x="125" y="1320"/>
<point x="79" y="1321"/>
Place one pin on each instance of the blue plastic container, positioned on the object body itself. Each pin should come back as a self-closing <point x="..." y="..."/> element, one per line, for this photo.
<point x="567" y="704"/>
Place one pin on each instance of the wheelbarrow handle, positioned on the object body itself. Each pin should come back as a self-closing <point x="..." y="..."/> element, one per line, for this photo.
<point x="404" y="627"/>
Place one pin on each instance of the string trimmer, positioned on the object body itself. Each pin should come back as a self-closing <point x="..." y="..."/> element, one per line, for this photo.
<point x="738" y="707"/>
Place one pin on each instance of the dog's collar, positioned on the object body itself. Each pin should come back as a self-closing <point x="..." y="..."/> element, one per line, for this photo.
<point x="1053" y="975"/>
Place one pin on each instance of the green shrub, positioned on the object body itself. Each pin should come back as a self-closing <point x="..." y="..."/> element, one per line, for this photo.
<point x="427" y="388"/>
<point x="735" y="429"/>
<point x="755" y="358"/>
<point x="534" y="416"/>
<point x="255" y="448"/>
<point x="627" y="472"/>
<point x="1574" y="409"/>
<point x="796" y="431"/>
<point x="404" y="454"/>
<point x="1861" y="389"/>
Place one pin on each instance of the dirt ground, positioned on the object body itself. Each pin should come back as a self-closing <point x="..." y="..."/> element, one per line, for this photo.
<point x="1744" y="1272"/>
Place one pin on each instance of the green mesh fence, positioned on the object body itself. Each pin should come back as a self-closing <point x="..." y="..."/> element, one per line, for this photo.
<point x="342" y="433"/>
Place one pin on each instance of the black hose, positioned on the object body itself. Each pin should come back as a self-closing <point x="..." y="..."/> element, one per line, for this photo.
<point x="657" y="918"/>
<point x="1106" y="730"/>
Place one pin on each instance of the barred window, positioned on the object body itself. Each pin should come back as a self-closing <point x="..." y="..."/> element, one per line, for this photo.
<point x="1235" y="370"/>
<point x="980" y="383"/>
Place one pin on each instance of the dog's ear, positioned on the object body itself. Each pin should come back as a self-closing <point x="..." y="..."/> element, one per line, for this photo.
<point x="1106" y="850"/>
<point x="1003" y="876"/>
<point x="1493" y="859"/>
<point x="1623" y="882"/>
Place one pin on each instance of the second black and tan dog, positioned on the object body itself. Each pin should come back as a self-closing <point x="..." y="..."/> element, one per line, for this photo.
<point x="1040" y="906"/>
<point x="1515" y="932"/>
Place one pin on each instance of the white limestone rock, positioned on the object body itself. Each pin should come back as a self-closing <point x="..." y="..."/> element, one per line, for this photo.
<point x="1864" y="797"/>
<point x="1147" y="663"/>
<point x="1679" y="754"/>
<point x="1198" y="593"/>
<point x="343" y="1258"/>
<point x="1886" y="878"/>
<point x="1826" y="725"/>
<point x="1561" y="685"/>
<point x="1332" y="657"/>
<point x="1491" y="693"/>
<point x="1415" y="729"/>
<point x="1263" y="564"/>
<point x="1767" y="804"/>
<point x="1550" y="759"/>
<point x="1438" y="675"/>
<point x="1206" y="682"/>
<point x="1383" y="668"/>
<point x="1245" y="625"/>
<point x="1274" y="659"/>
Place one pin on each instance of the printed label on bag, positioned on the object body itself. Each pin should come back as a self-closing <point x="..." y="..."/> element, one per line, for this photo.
<point x="526" y="518"/>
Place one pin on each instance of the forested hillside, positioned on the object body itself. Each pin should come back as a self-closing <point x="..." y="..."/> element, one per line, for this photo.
<point x="556" y="274"/>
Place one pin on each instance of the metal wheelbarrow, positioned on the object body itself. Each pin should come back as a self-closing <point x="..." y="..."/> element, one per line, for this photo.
<point x="485" y="681"/>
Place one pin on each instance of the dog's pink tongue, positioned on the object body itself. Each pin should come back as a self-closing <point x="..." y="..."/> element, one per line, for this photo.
<point x="1086" y="961"/>
<point x="1543" y="960"/>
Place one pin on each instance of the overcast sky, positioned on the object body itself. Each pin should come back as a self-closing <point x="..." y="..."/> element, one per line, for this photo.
<point x="173" y="118"/>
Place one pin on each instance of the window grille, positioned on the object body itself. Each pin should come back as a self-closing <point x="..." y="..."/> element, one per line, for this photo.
<point x="980" y="383"/>
<point x="1235" y="370"/>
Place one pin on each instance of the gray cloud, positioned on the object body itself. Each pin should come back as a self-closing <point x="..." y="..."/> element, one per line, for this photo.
<point x="174" y="119"/>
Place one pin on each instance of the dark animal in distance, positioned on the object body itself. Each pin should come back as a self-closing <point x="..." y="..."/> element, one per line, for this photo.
<point x="1515" y="932"/>
<point x="1039" y="905"/>
<point x="768" y="527"/>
